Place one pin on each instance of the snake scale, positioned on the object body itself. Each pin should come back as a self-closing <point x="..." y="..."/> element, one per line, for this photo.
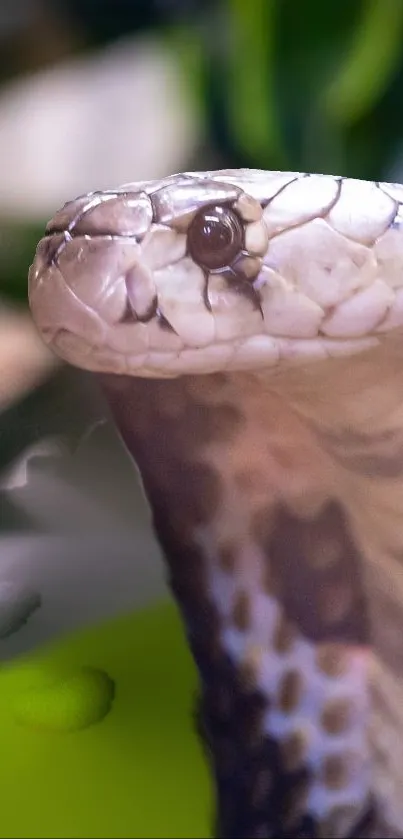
<point x="247" y="329"/>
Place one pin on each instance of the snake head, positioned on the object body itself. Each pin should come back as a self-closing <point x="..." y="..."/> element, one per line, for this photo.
<point x="219" y="270"/>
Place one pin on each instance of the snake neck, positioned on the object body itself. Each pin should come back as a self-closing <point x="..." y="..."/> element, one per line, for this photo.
<point x="253" y="512"/>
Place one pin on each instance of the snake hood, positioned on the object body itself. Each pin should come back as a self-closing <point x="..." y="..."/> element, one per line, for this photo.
<point x="247" y="329"/>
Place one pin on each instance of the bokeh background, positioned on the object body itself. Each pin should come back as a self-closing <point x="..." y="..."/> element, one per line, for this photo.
<point x="94" y="93"/>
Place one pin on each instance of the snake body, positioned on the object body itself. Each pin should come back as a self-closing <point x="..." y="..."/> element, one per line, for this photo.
<point x="247" y="328"/>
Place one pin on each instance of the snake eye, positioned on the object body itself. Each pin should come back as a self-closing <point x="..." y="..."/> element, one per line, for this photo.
<point x="215" y="237"/>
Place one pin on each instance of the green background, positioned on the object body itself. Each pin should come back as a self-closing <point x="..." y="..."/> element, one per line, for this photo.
<point x="138" y="772"/>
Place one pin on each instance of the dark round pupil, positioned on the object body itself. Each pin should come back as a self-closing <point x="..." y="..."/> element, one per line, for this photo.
<point x="215" y="237"/>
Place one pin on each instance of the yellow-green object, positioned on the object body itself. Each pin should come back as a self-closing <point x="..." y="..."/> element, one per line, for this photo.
<point x="139" y="771"/>
<point x="76" y="701"/>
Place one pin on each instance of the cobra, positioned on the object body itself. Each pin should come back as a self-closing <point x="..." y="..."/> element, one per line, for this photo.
<point x="247" y="329"/>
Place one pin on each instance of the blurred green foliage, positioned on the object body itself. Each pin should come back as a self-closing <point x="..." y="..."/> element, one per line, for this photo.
<point x="308" y="86"/>
<point x="18" y="241"/>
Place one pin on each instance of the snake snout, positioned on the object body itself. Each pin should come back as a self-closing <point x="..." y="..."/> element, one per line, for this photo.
<point x="78" y="290"/>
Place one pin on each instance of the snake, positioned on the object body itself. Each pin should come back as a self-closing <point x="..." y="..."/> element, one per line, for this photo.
<point x="246" y="328"/>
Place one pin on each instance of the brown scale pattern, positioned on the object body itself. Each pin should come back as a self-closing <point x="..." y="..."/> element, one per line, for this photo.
<point x="332" y="605"/>
<point x="260" y="784"/>
<point x="241" y="611"/>
<point x="336" y="716"/>
<point x="290" y="691"/>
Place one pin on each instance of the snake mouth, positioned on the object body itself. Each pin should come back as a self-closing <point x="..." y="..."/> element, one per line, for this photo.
<point x="158" y="344"/>
<point x="259" y="352"/>
<point x="100" y="307"/>
<point x="201" y="273"/>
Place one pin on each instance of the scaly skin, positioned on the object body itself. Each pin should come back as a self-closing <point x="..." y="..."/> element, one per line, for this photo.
<point x="247" y="329"/>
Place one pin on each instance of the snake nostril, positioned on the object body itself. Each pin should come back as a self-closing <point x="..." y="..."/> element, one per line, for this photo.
<point x="215" y="237"/>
